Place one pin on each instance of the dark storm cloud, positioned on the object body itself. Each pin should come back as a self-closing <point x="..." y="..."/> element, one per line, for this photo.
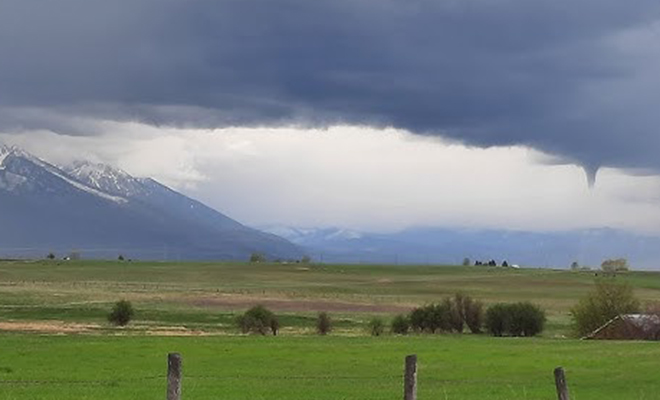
<point x="555" y="75"/>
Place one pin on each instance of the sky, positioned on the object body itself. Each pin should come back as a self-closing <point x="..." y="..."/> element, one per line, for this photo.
<point x="369" y="114"/>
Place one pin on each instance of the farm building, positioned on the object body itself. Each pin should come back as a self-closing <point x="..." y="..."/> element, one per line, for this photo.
<point x="629" y="327"/>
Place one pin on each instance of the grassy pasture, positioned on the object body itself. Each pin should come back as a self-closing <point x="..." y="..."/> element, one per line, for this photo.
<point x="204" y="297"/>
<point x="57" y="344"/>
<point x="339" y="367"/>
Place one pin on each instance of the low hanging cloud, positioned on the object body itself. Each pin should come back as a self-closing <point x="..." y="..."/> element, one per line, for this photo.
<point x="363" y="178"/>
<point x="573" y="78"/>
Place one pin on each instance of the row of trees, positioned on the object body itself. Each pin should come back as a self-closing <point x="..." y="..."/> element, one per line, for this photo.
<point x="452" y="315"/>
<point x="610" y="266"/>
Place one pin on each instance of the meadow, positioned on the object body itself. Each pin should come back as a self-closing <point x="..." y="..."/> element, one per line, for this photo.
<point x="56" y="342"/>
<point x="333" y="367"/>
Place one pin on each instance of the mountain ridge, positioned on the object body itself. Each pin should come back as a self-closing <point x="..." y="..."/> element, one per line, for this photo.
<point x="588" y="247"/>
<point x="93" y="206"/>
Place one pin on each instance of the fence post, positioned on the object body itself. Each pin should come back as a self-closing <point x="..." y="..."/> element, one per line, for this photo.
<point x="410" y="378"/>
<point x="174" y="376"/>
<point x="560" y="382"/>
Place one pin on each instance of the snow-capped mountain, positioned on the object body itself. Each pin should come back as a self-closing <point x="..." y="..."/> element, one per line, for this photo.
<point x="102" y="211"/>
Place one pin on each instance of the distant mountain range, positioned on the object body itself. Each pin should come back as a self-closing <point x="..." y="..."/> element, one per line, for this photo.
<point x="101" y="212"/>
<point x="451" y="246"/>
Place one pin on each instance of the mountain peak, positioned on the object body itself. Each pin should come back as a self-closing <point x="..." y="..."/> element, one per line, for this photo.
<point x="103" y="210"/>
<point x="106" y="178"/>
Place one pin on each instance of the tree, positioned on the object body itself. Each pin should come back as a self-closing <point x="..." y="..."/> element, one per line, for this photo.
<point x="258" y="319"/>
<point x="257" y="257"/>
<point x="575" y="266"/>
<point x="615" y="265"/>
<point x="473" y="311"/>
<point x="497" y="319"/>
<point x="122" y="313"/>
<point x="608" y="300"/>
<point x="517" y="319"/>
<point x="121" y="257"/>
<point x="466" y="262"/>
<point x="50" y="256"/>
<point x="323" y="324"/>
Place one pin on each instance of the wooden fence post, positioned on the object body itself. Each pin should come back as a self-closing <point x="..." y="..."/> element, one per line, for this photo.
<point x="410" y="378"/>
<point x="174" y="376"/>
<point x="560" y="382"/>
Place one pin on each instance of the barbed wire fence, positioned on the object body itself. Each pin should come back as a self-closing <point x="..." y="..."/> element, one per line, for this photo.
<point x="173" y="381"/>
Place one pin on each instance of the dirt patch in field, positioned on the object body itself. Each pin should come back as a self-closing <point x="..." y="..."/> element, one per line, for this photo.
<point x="47" y="327"/>
<point x="176" y="331"/>
<point x="240" y="303"/>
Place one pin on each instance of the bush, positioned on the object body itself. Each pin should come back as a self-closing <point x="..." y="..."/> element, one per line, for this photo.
<point x="431" y="318"/>
<point x="455" y="312"/>
<point x="527" y="319"/>
<point x="257" y="257"/>
<point x="50" y="256"/>
<point x="259" y="320"/>
<point x="122" y="313"/>
<point x="606" y="301"/>
<point x="517" y="319"/>
<point x="323" y="324"/>
<point x="451" y="315"/>
<point x="376" y="326"/>
<point x="497" y="319"/>
<point x="400" y="325"/>
<point x="614" y="266"/>
<point x="473" y="312"/>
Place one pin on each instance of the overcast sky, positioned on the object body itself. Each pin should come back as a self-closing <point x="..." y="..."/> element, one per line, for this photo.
<point x="371" y="114"/>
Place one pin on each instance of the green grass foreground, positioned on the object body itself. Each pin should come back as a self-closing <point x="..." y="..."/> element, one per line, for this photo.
<point x="252" y="368"/>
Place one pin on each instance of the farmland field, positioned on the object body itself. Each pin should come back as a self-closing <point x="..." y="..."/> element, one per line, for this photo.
<point x="306" y="367"/>
<point x="204" y="297"/>
<point x="57" y="344"/>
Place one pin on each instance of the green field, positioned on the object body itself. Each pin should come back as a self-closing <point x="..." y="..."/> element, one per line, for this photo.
<point x="204" y="297"/>
<point x="305" y="367"/>
<point x="57" y="344"/>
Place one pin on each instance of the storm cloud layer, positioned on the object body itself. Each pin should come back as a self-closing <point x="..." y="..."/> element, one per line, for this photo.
<point x="573" y="78"/>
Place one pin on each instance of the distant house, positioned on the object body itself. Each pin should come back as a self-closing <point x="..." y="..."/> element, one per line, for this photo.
<point x="629" y="327"/>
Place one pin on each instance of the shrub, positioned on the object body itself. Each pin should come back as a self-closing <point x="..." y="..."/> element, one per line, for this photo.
<point x="451" y="315"/>
<point x="50" y="256"/>
<point x="517" y="319"/>
<point x="323" y="324"/>
<point x="257" y="257"/>
<point x="455" y="312"/>
<point x="400" y="325"/>
<point x="497" y="319"/>
<point x="431" y="318"/>
<point x="121" y="257"/>
<point x="616" y="265"/>
<point x="606" y="301"/>
<point x="259" y="320"/>
<point x="122" y="313"/>
<point x="473" y="312"/>
<point x="376" y="326"/>
<point x="527" y="319"/>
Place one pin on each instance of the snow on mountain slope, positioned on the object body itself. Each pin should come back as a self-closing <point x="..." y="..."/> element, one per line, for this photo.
<point x="106" y="178"/>
<point x="4" y="152"/>
<point x="27" y="168"/>
<point x="91" y="206"/>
